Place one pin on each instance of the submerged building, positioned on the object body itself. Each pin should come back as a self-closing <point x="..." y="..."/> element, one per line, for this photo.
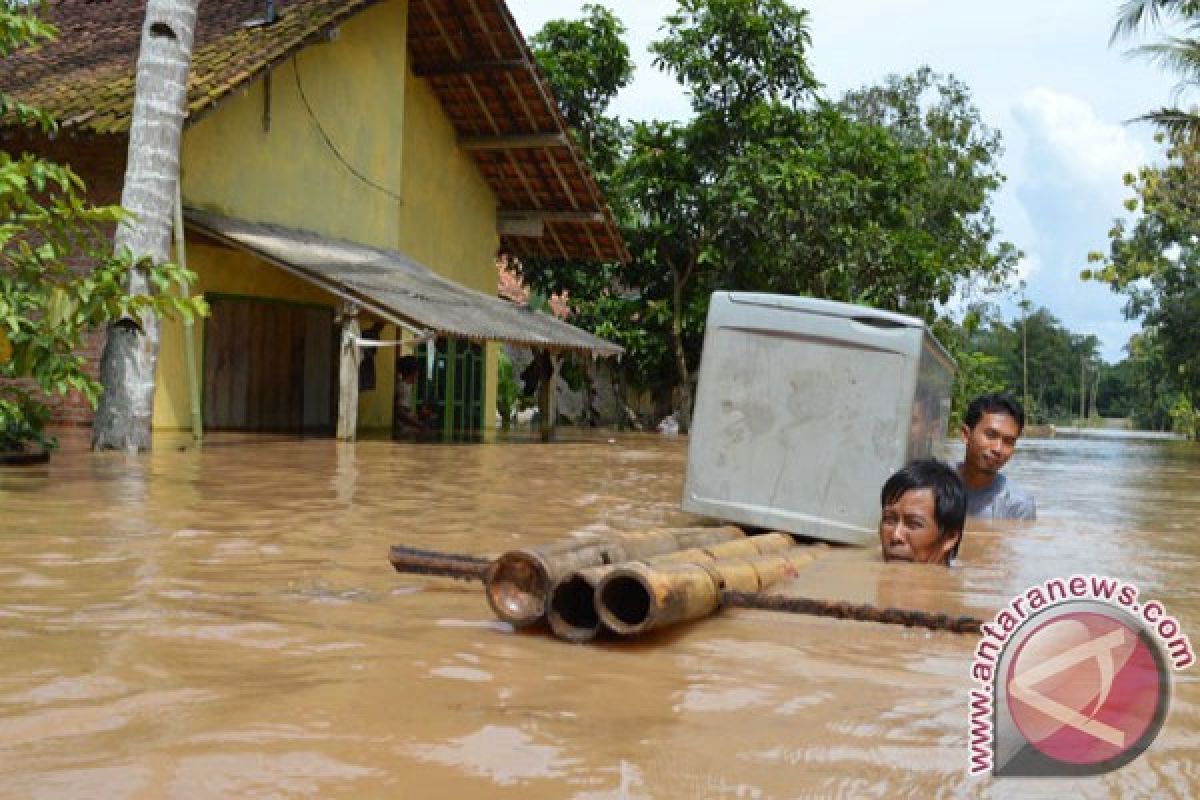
<point x="346" y="166"/>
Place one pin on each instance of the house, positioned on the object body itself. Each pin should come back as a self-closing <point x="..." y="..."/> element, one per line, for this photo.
<point x="348" y="168"/>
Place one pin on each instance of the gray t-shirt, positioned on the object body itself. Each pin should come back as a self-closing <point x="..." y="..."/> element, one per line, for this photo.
<point x="1001" y="499"/>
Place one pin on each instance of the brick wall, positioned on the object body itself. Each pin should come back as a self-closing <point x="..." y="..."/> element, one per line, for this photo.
<point x="100" y="161"/>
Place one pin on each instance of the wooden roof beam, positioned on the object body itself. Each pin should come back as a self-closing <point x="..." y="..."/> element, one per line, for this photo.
<point x="518" y="141"/>
<point x="530" y="215"/>
<point x="463" y="67"/>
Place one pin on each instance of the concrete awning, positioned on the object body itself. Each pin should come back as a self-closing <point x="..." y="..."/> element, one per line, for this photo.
<point x="396" y="288"/>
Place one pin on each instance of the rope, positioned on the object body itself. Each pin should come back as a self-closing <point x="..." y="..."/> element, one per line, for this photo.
<point x="472" y="568"/>
<point x="863" y="613"/>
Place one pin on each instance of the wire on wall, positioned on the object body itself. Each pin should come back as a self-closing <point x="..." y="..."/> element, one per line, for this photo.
<point x="329" y="142"/>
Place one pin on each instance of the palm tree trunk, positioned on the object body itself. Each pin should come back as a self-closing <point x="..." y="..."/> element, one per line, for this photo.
<point x="160" y="104"/>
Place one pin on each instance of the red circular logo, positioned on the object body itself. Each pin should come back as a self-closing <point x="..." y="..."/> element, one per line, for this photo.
<point x="1084" y="688"/>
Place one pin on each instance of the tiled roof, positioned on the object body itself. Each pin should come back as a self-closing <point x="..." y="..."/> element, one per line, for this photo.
<point x="85" y="78"/>
<point x="470" y="51"/>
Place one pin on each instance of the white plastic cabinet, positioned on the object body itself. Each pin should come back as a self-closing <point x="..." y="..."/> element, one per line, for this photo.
<point x="803" y="409"/>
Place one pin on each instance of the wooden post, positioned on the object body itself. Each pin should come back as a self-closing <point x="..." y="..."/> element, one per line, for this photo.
<point x="548" y="394"/>
<point x="350" y="355"/>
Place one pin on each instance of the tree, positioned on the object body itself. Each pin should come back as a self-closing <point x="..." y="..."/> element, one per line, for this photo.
<point x="978" y="372"/>
<point x="160" y="105"/>
<point x="1179" y="54"/>
<point x="881" y="199"/>
<point x="587" y="62"/>
<point x="1155" y="262"/>
<point x="47" y="304"/>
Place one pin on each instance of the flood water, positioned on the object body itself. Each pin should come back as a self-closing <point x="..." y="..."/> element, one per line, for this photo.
<point x="224" y="623"/>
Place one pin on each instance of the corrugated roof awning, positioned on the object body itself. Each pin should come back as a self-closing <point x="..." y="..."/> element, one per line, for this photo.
<point x="396" y="288"/>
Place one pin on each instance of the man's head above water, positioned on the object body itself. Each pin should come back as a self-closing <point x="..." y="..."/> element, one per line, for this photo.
<point x="924" y="509"/>
<point x="990" y="430"/>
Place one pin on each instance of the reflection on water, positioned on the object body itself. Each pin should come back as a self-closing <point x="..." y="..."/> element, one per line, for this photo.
<point x="224" y="623"/>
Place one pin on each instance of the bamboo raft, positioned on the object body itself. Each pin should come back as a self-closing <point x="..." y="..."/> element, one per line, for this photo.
<point x="637" y="582"/>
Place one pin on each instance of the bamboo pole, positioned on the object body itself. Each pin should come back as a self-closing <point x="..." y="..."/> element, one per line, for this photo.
<point x="572" y="614"/>
<point x="471" y="568"/>
<point x="189" y="335"/>
<point x="636" y="597"/>
<point x="517" y="584"/>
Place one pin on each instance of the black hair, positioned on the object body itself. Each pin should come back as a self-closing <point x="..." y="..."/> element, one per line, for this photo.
<point x="995" y="403"/>
<point x="949" y="494"/>
<point x="407" y="365"/>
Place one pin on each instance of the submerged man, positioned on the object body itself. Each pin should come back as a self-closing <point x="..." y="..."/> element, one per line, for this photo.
<point x="990" y="430"/>
<point x="924" y="508"/>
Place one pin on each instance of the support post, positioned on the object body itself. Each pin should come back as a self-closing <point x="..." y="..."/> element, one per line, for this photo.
<point x="349" y="356"/>
<point x="547" y="394"/>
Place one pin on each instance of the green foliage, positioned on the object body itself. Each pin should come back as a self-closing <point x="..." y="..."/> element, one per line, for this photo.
<point x="1185" y="418"/>
<point x="587" y="62"/>
<point x="882" y="198"/>
<point x="1154" y="260"/>
<point x="978" y="372"/>
<point x="1178" y="54"/>
<point x="506" y="390"/>
<point x="47" y="303"/>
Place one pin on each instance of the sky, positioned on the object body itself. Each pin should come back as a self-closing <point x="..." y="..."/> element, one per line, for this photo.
<point x="1042" y="73"/>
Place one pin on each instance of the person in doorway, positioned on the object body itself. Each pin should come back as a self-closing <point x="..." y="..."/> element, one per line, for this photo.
<point x="408" y="418"/>
<point x="924" y="510"/>
<point x="990" y="430"/>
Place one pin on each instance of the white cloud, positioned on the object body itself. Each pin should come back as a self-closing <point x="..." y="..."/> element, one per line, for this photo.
<point x="1027" y="267"/>
<point x="1068" y="135"/>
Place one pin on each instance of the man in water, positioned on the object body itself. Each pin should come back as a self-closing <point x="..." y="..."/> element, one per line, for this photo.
<point x="990" y="430"/>
<point x="924" y="508"/>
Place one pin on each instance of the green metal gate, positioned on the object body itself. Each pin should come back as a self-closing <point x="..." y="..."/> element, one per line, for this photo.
<point x="455" y="390"/>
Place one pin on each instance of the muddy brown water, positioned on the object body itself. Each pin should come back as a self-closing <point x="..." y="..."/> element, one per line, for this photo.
<point x="224" y="623"/>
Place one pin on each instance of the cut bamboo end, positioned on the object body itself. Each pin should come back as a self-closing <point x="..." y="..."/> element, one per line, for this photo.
<point x="516" y="585"/>
<point x="572" y="610"/>
<point x="638" y="597"/>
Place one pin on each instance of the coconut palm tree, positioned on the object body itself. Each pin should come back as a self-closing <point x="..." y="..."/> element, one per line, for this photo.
<point x="1179" y="54"/>
<point x="159" y="107"/>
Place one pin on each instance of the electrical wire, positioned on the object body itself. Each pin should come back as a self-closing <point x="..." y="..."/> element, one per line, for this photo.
<point x="329" y="142"/>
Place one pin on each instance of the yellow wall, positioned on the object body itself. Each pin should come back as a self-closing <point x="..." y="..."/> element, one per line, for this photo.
<point x="386" y="124"/>
<point x="448" y="219"/>
<point x="355" y="87"/>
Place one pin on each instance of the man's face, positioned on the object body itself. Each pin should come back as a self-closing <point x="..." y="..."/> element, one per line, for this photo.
<point x="990" y="443"/>
<point x="909" y="530"/>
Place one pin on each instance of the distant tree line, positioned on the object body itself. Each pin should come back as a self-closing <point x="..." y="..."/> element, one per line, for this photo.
<point x="1058" y="374"/>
